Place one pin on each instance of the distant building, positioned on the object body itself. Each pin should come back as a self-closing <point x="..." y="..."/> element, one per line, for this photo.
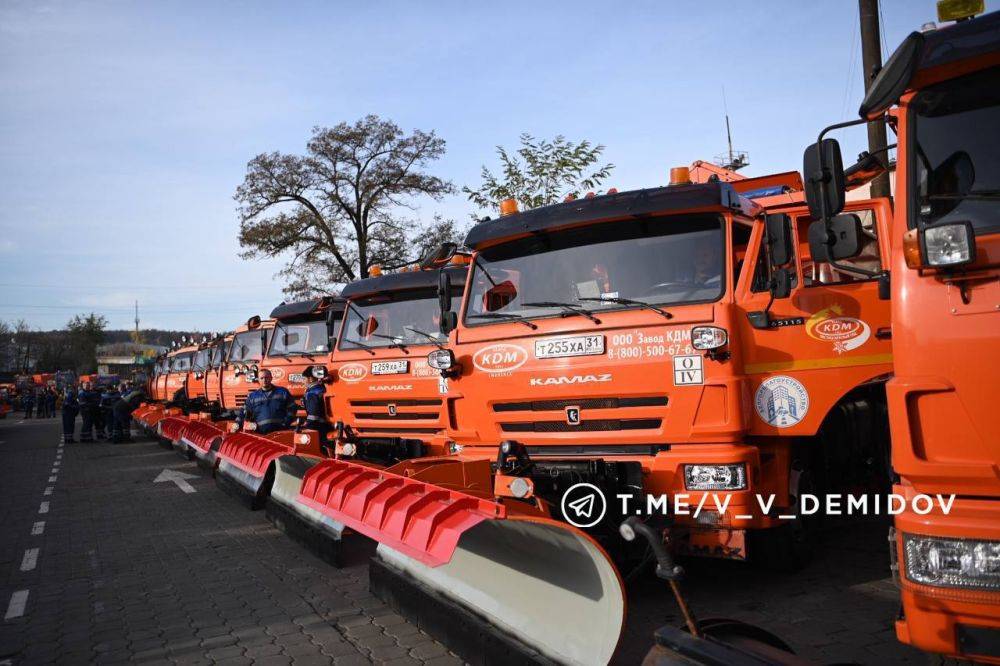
<point x="125" y="359"/>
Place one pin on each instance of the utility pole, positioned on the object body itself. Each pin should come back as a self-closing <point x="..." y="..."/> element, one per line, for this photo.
<point x="871" y="63"/>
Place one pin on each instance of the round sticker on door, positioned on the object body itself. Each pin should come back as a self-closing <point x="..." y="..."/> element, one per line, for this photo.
<point x="277" y="373"/>
<point x="781" y="401"/>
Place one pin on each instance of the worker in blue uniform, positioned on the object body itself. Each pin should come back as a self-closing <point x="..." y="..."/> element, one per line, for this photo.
<point x="270" y="407"/>
<point x="131" y="398"/>
<point x="314" y="401"/>
<point x="70" y="408"/>
<point x="90" y="401"/>
<point x="109" y="397"/>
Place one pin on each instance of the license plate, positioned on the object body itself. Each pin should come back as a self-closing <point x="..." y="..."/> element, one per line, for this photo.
<point x="390" y="367"/>
<point x="581" y="345"/>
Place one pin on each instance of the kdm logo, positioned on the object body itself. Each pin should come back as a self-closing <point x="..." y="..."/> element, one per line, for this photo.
<point x="352" y="372"/>
<point x="499" y="359"/>
<point x="846" y="333"/>
<point x="574" y="379"/>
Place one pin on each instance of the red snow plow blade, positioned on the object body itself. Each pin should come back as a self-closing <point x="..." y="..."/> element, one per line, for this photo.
<point x="245" y="465"/>
<point x="148" y="414"/>
<point x="494" y="586"/>
<point x="203" y="439"/>
<point x="418" y="519"/>
<point x="171" y="427"/>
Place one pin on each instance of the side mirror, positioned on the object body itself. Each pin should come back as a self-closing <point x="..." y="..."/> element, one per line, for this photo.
<point x="444" y="292"/>
<point x="781" y="283"/>
<point x="449" y="321"/>
<point x="841" y="238"/>
<point x="779" y="239"/>
<point x="823" y="169"/>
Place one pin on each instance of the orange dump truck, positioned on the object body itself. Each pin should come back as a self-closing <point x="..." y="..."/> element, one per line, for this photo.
<point x="940" y="92"/>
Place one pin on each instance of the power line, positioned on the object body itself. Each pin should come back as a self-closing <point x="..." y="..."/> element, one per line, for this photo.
<point x="201" y="287"/>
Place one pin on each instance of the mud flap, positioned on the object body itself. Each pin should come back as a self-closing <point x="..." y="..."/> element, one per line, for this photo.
<point x="245" y="470"/>
<point x="515" y="590"/>
<point x="320" y="534"/>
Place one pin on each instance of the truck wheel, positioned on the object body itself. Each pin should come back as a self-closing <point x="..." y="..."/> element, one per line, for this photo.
<point x="788" y="547"/>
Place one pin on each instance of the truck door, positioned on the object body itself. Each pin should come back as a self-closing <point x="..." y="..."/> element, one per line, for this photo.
<point x="830" y="335"/>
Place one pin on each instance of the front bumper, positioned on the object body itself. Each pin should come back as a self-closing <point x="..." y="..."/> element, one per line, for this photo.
<point x="950" y="621"/>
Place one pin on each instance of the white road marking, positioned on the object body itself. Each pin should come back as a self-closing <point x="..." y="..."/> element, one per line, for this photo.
<point x="55" y="470"/>
<point x="43" y="507"/>
<point x="48" y="491"/>
<point x="30" y="559"/>
<point x="38" y="528"/>
<point x="15" y="608"/>
<point x="178" y="477"/>
<point x="56" y="463"/>
<point x="53" y="479"/>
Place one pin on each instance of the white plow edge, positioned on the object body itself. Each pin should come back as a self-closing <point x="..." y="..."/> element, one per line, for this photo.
<point x="545" y="583"/>
<point x="288" y="473"/>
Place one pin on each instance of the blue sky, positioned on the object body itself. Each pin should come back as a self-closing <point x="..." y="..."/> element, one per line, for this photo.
<point x="125" y="127"/>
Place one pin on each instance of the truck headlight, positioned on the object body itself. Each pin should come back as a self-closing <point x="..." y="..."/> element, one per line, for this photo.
<point x="441" y="359"/>
<point x="944" y="562"/>
<point x="715" y="477"/>
<point x="949" y="244"/>
<point x="708" y="337"/>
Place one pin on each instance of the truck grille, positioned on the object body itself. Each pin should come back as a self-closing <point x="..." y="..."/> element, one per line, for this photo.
<point x="398" y="403"/>
<point x="372" y="416"/>
<point x="593" y="425"/>
<point x="582" y="403"/>
<point x="399" y="416"/>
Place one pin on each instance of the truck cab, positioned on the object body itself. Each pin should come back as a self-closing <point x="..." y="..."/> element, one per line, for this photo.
<point x="242" y="363"/>
<point x="217" y="349"/>
<point x="940" y="92"/>
<point x="386" y="401"/>
<point x="302" y="337"/>
<point x="673" y="341"/>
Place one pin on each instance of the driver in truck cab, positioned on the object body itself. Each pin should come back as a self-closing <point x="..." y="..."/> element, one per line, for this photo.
<point x="269" y="408"/>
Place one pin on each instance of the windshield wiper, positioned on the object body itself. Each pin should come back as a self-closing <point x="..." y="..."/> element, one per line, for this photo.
<point x="361" y="345"/>
<point x="429" y="336"/>
<point x="503" y="315"/>
<point x="629" y="301"/>
<point x="395" y="343"/>
<point x="568" y="307"/>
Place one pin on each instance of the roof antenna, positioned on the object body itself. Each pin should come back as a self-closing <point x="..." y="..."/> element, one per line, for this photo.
<point x="734" y="160"/>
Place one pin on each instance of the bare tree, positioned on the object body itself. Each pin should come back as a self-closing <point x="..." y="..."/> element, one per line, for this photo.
<point x="342" y="207"/>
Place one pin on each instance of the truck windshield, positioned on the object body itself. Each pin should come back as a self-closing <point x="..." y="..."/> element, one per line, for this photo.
<point x="307" y="337"/>
<point x="393" y="320"/>
<point x="614" y="265"/>
<point x="181" y="363"/>
<point x="217" y="353"/>
<point x="247" y="346"/>
<point x="201" y="359"/>
<point x="956" y="152"/>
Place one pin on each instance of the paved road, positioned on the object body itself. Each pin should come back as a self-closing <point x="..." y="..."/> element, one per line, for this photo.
<point x="129" y="570"/>
<point x="116" y="568"/>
